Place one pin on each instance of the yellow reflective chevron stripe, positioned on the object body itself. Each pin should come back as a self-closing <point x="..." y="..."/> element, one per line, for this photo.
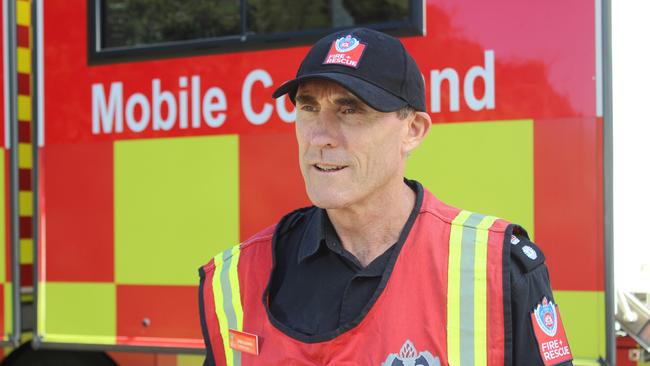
<point x="227" y="300"/>
<point x="467" y="289"/>
<point x="453" y="287"/>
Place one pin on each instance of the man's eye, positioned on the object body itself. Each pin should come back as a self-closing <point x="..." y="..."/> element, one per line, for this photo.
<point x="307" y="108"/>
<point x="349" y="110"/>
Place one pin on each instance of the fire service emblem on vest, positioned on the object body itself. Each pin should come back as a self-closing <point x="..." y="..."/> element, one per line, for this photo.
<point x="409" y="356"/>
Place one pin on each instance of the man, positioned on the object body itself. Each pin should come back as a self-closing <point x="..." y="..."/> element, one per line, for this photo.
<point x="378" y="271"/>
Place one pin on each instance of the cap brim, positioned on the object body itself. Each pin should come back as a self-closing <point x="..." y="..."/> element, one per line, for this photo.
<point x="369" y="93"/>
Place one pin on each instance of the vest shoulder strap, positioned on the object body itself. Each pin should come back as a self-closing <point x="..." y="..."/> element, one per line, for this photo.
<point x="220" y="281"/>
<point x="220" y="277"/>
<point x="468" y="287"/>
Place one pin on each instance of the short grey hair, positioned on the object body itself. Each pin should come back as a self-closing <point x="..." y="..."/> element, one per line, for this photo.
<point x="404" y="112"/>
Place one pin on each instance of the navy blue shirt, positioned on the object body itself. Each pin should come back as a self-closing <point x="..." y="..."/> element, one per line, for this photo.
<point x="333" y="286"/>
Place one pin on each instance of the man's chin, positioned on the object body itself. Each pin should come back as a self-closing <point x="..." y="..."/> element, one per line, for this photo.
<point x="328" y="200"/>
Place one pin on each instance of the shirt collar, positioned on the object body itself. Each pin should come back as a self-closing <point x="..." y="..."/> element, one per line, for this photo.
<point x="320" y="230"/>
<point x="313" y="235"/>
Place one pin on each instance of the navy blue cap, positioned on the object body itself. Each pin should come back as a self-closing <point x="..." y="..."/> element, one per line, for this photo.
<point x="372" y="65"/>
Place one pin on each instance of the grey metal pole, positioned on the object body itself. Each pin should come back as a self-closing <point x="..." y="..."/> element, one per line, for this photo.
<point x="608" y="179"/>
<point x="35" y="147"/>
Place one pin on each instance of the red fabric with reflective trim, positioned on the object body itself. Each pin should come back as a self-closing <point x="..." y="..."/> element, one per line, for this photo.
<point x="251" y="283"/>
<point x="412" y="307"/>
<point x="210" y="316"/>
<point x="495" y="316"/>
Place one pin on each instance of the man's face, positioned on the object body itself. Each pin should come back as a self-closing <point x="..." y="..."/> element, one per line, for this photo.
<point x="349" y="152"/>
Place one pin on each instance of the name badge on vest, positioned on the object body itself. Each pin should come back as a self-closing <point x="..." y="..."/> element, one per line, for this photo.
<point x="549" y="331"/>
<point x="244" y="342"/>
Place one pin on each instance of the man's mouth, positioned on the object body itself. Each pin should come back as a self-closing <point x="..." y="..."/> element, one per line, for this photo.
<point x="329" y="167"/>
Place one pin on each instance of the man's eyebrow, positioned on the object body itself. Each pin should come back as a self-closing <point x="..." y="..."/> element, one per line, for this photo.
<point x="349" y="101"/>
<point x="305" y="99"/>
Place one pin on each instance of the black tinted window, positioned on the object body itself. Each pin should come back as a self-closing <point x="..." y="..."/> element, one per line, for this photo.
<point x="126" y="23"/>
<point x="121" y="30"/>
<point x="140" y="22"/>
<point x="265" y="16"/>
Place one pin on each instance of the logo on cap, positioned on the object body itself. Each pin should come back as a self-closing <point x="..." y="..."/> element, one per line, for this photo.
<point x="346" y="51"/>
<point x="346" y="44"/>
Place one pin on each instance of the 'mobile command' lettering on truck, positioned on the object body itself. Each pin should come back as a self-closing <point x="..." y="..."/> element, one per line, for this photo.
<point x="189" y="107"/>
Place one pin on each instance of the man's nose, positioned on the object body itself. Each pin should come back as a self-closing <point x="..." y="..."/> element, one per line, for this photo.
<point x="326" y="131"/>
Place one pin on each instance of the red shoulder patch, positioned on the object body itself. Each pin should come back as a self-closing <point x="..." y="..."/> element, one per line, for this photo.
<point x="549" y="331"/>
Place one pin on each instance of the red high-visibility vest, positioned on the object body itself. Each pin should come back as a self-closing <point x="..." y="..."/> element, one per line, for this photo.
<point x="442" y="305"/>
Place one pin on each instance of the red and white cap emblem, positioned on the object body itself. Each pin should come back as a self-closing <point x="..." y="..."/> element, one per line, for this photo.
<point x="346" y="51"/>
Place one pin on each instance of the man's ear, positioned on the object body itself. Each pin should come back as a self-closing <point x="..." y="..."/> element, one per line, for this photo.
<point x="418" y="127"/>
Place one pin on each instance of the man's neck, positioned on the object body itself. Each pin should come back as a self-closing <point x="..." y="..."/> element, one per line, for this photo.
<point x="367" y="230"/>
